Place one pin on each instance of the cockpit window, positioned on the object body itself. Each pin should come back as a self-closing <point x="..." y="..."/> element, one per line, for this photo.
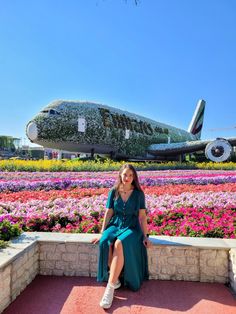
<point x="50" y="111"/>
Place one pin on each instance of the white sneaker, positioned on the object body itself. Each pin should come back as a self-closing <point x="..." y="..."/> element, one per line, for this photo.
<point x="117" y="284"/>
<point x="107" y="298"/>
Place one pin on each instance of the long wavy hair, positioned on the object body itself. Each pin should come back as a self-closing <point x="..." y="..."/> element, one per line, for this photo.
<point x="135" y="183"/>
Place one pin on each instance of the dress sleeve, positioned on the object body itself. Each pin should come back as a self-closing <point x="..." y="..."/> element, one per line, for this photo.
<point x="142" y="204"/>
<point x="110" y="199"/>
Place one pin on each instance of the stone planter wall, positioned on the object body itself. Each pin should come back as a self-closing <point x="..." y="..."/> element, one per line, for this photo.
<point x="17" y="272"/>
<point x="170" y="258"/>
<point x="5" y="287"/>
<point x="232" y="269"/>
<point x="189" y="264"/>
<point x="68" y="259"/>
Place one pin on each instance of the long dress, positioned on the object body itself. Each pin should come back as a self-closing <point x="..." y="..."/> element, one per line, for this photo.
<point x="124" y="225"/>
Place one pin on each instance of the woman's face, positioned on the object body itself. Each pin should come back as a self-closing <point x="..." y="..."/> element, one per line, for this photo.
<point x="127" y="176"/>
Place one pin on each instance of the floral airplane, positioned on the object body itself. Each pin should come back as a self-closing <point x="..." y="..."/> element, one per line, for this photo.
<point x="87" y="127"/>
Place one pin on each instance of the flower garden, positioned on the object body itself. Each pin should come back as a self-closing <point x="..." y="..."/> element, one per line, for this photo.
<point x="196" y="203"/>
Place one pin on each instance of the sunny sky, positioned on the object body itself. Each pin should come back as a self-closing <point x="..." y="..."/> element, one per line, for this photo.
<point x="156" y="59"/>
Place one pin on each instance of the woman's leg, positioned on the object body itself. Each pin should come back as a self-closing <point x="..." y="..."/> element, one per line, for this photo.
<point x="108" y="237"/>
<point x="117" y="262"/>
<point x="110" y="255"/>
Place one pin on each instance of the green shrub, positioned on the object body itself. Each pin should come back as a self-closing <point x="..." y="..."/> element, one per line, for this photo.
<point x="8" y="230"/>
<point x="3" y="244"/>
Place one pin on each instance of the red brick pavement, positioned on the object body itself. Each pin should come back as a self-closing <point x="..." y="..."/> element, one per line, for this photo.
<point x="75" y="295"/>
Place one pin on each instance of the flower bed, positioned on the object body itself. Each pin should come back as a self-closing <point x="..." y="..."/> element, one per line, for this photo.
<point x="104" y="165"/>
<point x="194" y="203"/>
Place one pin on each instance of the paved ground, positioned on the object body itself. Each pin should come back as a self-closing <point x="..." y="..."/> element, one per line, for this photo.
<point x="75" y="295"/>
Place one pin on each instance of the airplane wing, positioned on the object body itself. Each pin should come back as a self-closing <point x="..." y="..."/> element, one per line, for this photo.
<point x="216" y="150"/>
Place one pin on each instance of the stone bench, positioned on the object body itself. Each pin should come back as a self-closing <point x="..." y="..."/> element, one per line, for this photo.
<point x="170" y="258"/>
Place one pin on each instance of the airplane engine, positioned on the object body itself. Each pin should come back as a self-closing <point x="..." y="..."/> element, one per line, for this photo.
<point x="218" y="150"/>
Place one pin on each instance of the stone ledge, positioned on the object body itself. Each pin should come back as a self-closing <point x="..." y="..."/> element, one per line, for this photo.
<point x="63" y="254"/>
<point x="28" y="238"/>
<point x="16" y="247"/>
<point x="203" y="243"/>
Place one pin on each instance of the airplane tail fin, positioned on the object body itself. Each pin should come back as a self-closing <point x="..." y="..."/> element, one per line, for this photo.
<point x="195" y="126"/>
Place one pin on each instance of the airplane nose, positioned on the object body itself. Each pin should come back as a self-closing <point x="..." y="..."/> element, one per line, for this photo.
<point x="32" y="131"/>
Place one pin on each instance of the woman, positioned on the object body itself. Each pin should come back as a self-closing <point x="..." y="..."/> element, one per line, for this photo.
<point x="122" y="246"/>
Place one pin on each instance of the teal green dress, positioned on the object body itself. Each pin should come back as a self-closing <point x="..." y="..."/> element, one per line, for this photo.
<point x="124" y="225"/>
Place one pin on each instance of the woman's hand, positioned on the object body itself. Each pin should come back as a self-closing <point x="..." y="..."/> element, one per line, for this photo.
<point x="146" y="242"/>
<point x="97" y="239"/>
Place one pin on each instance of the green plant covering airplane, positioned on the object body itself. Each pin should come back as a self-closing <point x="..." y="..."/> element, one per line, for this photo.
<point x="87" y="127"/>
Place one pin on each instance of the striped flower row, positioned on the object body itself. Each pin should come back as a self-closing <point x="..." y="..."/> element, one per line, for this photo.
<point x="62" y="184"/>
<point x="189" y="214"/>
<point x="41" y="176"/>
<point x="73" y="206"/>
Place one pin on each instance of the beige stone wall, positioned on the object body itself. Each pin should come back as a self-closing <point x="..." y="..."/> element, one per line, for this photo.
<point x="18" y="274"/>
<point x="190" y="264"/>
<point x="232" y="269"/>
<point x="174" y="263"/>
<point x="5" y="287"/>
<point x="165" y="262"/>
<point x="24" y="269"/>
<point x="68" y="259"/>
<point x="170" y="258"/>
<point x="214" y="265"/>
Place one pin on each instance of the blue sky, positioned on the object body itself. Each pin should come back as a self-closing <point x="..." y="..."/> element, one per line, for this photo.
<point x="156" y="59"/>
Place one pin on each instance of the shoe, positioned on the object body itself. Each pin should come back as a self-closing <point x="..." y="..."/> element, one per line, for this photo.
<point x="107" y="298"/>
<point x="117" y="284"/>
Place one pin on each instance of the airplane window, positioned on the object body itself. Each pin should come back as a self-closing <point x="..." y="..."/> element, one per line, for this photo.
<point x="52" y="111"/>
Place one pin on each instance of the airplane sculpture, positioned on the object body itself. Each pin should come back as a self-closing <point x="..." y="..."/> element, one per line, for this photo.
<point x="88" y="127"/>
